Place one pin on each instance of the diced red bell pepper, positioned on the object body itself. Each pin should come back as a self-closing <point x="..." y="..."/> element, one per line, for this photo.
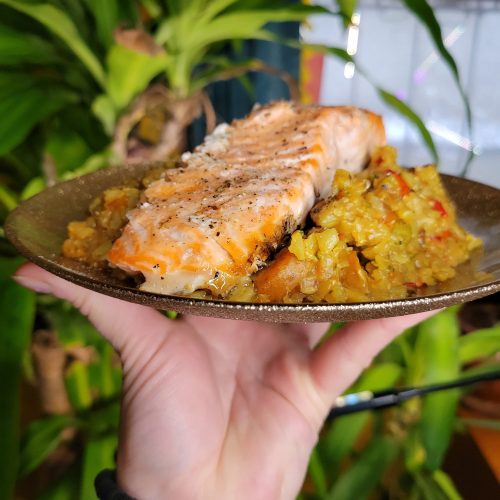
<point x="438" y="207"/>
<point x="403" y="187"/>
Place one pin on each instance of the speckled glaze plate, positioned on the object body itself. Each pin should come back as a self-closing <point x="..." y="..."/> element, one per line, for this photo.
<point x="37" y="229"/>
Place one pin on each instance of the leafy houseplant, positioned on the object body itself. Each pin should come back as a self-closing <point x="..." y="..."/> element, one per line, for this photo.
<point x="84" y="85"/>
<point x="398" y="453"/>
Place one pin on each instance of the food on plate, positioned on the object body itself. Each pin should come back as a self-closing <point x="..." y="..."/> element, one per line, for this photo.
<point x="90" y="240"/>
<point x="217" y="218"/>
<point x="383" y="234"/>
<point x="219" y="223"/>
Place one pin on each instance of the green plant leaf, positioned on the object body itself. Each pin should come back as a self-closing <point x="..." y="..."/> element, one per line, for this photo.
<point x="102" y="418"/>
<point x="390" y="99"/>
<point x="71" y="326"/>
<point x="79" y="120"/>
<point x="345" y="431"/>
<point x="337" y="52"/>
<point x="106" y="373"/>
<point x="399" y="350"/>
<point x="66" y="148"/>
<point x="84" y="382"/>
<point x="378" y="377"/>
<point x="403" y="109"/>
<point x="366" y="471"/>
<point x="346" y="8"/>
<point x="425" y="13"/>
<point x="74" y="329"/>
<point x="77" y="383"/>
<point x="238" y="23"/>
<point x="18" y="48"/>
<point x="67" y="487"/>
<point x="7" y="251"/>
<point x="41" y="439"/>
<point x="175" y="6"/>
<point x="7" y="198"/>
<point x="436" y="360"/>
<point x="427" y="487"/>
<point x="17" y="312"/>
<point x="317" y="474"/>
<point x="93" y="163"/>
<point x="243" y="24"/>
<point x="98" y="455"/>
<point x="129" y="72"/>
<point x="7" y="268"/>
<point x="23" y="103"/>
<point x="340" y="438"/>
<point x="482" y="423"/>
<point x="106" y="15"/>
<point x="22" y="163"/>
<point x="60" y="24"/>
<point x="479" y="344"/>
<point x="446" y="484"/>
<point x="104" y="109"/>
<point x="34" y="186"/>
<point x="191" y="35"/>
<point x="238" y="70"/>
<point x="437" y="425"/>
<point x="482" y="368"/>
<point x="414" y="451"/>
<point x="153" y="7"/>
<point x="216" y="7"/>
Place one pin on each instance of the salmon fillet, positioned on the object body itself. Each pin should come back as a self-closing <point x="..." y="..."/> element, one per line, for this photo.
<point x="220" y="215"/>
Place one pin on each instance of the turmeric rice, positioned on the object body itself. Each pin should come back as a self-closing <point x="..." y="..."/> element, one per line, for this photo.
<point x="383" y="234"/>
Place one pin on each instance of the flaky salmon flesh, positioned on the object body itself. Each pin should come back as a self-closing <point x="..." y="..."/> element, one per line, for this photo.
<point x="220" y="215"/>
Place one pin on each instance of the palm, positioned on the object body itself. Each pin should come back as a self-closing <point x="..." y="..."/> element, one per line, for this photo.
<point x="234" y="393"/>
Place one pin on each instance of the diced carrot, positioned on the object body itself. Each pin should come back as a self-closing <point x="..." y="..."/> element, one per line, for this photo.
<point x="282" y="276"/>
<point x="442" y="235"/>
<point x="354" y="276"/>
<point x="412" y="284"/>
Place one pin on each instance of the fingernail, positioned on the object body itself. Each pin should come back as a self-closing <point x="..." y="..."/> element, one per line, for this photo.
<point x="33" y="284"/>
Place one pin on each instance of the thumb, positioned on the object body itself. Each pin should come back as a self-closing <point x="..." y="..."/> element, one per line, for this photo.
<point x="127" y="326"/>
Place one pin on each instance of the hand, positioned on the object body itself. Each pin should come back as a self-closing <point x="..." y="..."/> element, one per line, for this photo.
<point x="220" y="409"/>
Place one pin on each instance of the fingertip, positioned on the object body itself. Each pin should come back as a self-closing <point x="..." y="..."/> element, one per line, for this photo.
<point x="397" y="324"/>
<point x="340" y="360"/>
<point x="33" y="277"/>
<point x="28" y="268"/>
<point x="117" y="320"/>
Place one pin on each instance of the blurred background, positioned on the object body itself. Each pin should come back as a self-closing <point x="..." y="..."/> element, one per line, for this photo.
<point x="394" y="47"/>
<point x="88" y="84"/>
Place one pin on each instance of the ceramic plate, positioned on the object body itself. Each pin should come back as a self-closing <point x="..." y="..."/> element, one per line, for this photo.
<point x="37" y="229"/>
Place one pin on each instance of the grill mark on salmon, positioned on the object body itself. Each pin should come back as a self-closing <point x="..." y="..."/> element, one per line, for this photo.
<point x="232" y="201"/>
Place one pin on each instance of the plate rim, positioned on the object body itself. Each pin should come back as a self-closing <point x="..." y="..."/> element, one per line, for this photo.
<point x="421" y="303"/>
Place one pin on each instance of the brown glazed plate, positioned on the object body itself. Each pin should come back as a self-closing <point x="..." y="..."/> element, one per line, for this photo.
<point x="37" y="228"/>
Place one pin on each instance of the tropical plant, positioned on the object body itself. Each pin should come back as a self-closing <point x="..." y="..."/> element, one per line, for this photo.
<point x="133" y="74"/>
<point x="83" y="85"/>
<point x="398" y="453"/>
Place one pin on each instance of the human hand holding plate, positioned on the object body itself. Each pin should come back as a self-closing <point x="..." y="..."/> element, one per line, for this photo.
<point x="216" y="408"/>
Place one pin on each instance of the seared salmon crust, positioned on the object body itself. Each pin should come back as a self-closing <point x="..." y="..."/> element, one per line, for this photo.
<point x="220" y="215"/>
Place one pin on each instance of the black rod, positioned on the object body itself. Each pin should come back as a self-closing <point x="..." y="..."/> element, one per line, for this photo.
<point x="367" y="400"/>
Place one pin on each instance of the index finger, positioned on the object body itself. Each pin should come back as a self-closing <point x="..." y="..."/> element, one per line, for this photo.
<point x="337" y="362"/>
